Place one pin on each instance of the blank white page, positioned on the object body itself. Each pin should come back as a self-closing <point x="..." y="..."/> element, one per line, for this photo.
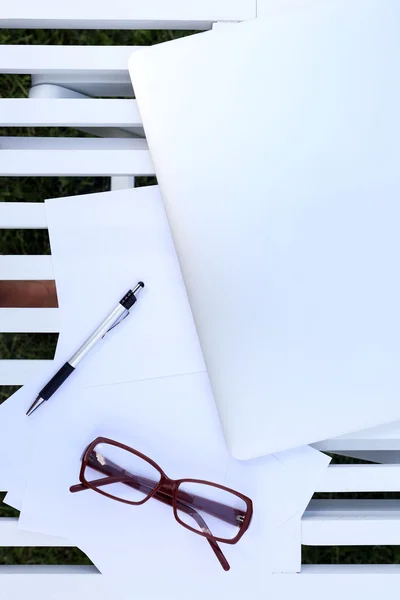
<point x="276" y="144"/>
<point x="102" y="244"/>
<point x="119" y="239"/>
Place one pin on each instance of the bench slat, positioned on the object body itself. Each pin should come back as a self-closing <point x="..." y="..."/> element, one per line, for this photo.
<point x="48" y="570"/>
<point x="125" y="14"/>
<point x="92" y="85"/>
<point x="74" y="156"/>
<point x="351" y="523"/>
<point x="18" y="372"/>
<point x="24" y="112"/>
<point x="29" y="320"/>
<point x="315" y="581"/>
<point x="22" y="215"/>
<point x="331" y="582"/>
<point x="67" y="143"/>
<point x="376" y="439"/>
<point x="91" y="70"/>
<point x="106" y="61"/>
<point x="79" y="163"/>
<point x="361" y="478"/>
<point x="22" y="267"/>
<point x="10" y="536"/>
<point x="50" y="582"/>
<point x="351" y="570"/>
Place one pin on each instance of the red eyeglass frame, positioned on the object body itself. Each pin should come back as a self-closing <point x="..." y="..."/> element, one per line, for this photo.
<point x="167" y="491"/>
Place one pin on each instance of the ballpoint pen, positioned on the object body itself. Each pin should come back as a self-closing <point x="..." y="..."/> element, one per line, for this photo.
<point x="120" y="312"/>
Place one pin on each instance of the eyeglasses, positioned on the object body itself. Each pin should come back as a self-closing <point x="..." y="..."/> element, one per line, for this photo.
<point x="218" y="513"/>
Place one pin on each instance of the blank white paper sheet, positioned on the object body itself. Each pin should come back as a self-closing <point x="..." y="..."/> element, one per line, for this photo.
<point x="276" y="144"/>
<point x="173" y="419"/>
<point x="102" y="245"/>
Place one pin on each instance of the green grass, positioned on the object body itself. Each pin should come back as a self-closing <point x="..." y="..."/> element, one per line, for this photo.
<point x="28" y="345"/>
<point x="38" y="346"/>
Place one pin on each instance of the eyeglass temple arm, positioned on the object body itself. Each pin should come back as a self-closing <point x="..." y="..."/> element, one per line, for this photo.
<point x="165" y="499"/>
<point x="203" y="526"/>
<point x="221" y="511"/>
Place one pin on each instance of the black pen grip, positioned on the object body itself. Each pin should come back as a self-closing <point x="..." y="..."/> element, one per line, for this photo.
<point x="56" y="381"/>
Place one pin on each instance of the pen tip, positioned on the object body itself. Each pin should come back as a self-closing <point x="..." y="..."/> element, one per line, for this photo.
<point x="38" y="402"/>
<point x="141" y="284"/>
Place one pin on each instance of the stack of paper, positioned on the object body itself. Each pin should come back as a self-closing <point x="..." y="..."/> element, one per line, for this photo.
<point x="145" y="386"/>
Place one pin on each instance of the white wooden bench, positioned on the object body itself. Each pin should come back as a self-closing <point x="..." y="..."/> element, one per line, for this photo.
<point x="65" y="83"/>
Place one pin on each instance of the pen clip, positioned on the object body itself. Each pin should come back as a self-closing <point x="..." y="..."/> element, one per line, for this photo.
<point x="117" y="322"/>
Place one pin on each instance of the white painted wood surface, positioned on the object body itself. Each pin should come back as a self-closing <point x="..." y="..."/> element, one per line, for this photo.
<point x="377" y="439"/>
<point x="52" y="583"/>
<point x="352" y="523"/>
<point x="26" y="267"/>
<point x="74" y="157"/>
<point x="122" y="183"/>
<point x="75" y="60"/>
<point x="25" y="112"/>
<point x="71" y="143"/>
<point x="350" y="570"/>
<point x="328" y="581"/>
<point x="18" y="372"/>
<point x="78" y="163"/>
<point x="22" y="215"/>
<point x="81" y="583"/>
<point x="126" y="14"/>
<point x="356" y="447"/>
<point x="332" y="582"/>
<point x="29" y="320"/>
<point x="92" y="70"/>
<point x="361" y="478"/>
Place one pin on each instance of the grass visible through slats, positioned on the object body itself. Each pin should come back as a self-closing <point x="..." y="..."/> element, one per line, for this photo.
<point x="28" y="345"/>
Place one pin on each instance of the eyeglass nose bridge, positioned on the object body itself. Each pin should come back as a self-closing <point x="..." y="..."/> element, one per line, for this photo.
<point x="167" y="486"/>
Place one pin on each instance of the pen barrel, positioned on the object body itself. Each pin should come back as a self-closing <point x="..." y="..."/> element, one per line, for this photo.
<point x="56" y="381"/>
<point x="97" y="335"/>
